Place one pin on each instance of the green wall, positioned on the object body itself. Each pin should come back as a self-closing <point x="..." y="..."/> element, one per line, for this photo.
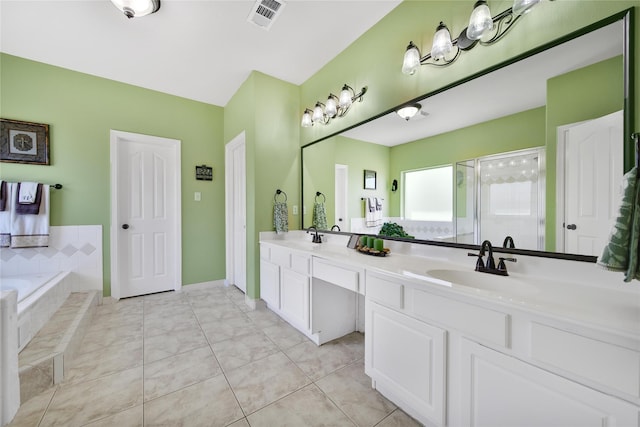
<point x="81" y="109"/>
<point x="272" y="155"/>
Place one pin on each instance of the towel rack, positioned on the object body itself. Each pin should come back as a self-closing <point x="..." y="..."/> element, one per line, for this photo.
<point x="278" y="192"/>
<point x="56" y="186"/>
<point x="636" y="138"/>
<point x="318" y="194"/>
<point x="365" y="198"/>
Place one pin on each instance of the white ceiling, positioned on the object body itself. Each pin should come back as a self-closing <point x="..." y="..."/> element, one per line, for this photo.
<point x="201" y="50"/>
<point x="509" y="90"/>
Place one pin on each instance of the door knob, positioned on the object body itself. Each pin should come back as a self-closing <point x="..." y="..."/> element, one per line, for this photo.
<point x="571" y="227"/>
<point x="125" y="226"/>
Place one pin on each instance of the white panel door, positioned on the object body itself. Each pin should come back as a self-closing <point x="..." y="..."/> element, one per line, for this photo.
<point x="593" y="176"/>
<point x="294" y="298"/>
<point x="270" y="284"/>
<point x="236" y="212"/>
<point x="501" y="391"/>
<point x="145" y="219"/>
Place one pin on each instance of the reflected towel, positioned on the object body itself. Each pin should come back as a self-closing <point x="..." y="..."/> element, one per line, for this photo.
<point x="621" y="253"/>
<point x="31" y="231"/>
<point x="5" y="216"/>
<point x="280" y="217"/>
<point x="370" y="214"/>
<point x="30" y="208"/>
<point x="319" y="217"/>
<point x="27" y="192"/>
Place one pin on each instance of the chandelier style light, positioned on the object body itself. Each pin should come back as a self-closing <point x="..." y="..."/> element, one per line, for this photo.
<point x="334" y="106"/>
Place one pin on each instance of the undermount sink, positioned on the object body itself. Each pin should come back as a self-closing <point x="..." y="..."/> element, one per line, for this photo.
<point x="485" y="281"/>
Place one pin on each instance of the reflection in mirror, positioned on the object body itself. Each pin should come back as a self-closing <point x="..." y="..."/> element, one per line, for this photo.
<point x="532" y="104"/>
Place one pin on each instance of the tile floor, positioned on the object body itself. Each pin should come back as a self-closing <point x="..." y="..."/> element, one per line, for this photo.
<point x="202" y="358"/>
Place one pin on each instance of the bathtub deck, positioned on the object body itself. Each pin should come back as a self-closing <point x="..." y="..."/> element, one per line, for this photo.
<point x="42" y="363"/>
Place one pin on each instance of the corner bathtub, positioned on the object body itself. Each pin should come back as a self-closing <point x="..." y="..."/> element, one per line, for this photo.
<point x="39" y="297"/>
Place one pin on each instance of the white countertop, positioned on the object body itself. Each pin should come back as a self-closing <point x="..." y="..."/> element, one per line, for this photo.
<point x="615" y="310"/>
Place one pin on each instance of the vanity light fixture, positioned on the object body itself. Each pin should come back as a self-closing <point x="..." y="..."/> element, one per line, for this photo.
<point x="483" y="29"/>
<point x="137" y="8"/>
<point x="334" y="106"/>
<point x="408" y="111"/>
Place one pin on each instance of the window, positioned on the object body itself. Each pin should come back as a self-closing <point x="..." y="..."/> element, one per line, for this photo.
<point x="428" y="194"/>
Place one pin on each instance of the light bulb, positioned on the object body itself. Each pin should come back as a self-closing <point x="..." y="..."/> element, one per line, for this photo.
<point x="441" y="42"/>
<point x="520" y="7"/>
<point x="137" y="8"/>
<point x="318" y="114"/>
<point x="331" y="108"/>
<point x="480" y="21"/>
<point x="345" y="100"/>
<point x="306" y="120"/>
<point x="411" y="59"/>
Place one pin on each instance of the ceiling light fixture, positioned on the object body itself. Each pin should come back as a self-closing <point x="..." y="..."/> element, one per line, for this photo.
<point x="334" y="106"/>
<point x="408" y="111"/>
<point x="483" y="29"/>
<point x="137" y="8"/>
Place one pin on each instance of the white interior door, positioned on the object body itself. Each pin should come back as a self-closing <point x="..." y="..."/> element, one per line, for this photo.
<point x="341" y="192"/>
<point x="236" y="212"/>
<point x="145" y="220"/>
<point x="593" y="174"/>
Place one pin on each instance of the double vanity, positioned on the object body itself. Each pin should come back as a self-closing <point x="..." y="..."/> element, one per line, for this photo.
<point x="452" y="346"/>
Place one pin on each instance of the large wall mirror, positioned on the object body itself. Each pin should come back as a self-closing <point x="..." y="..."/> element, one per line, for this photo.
<point x="534" y="149"/>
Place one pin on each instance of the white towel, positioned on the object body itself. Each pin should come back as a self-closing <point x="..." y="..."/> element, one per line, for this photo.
<point x="31" y="231"/>
<point x="27" y="192"/>
<point x="370" y="214"/>
<point x="378" y="212"/>
<point x="5" y="216"/>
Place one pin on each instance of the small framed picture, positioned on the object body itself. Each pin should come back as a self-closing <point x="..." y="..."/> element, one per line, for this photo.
<point x="24" y="142"/>
<point x="369" y="180"/>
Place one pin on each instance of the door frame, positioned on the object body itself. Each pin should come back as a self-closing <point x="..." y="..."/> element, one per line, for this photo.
<point x="176" y="251"/>
<point x="342" y="188"/>
<point x="230" y="217"/>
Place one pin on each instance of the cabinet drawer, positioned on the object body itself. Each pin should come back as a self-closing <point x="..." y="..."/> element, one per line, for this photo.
<point x="472" y="320"/>
<point x="335" y="274"/>
<point x="281" y="256"/>
<point x="385" y="292"/>
<point x="300" y="264"/>
<point x="604" y="363"/>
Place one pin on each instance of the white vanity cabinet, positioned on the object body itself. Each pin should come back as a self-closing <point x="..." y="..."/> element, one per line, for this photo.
<point x="285" y="284"/>
<point x="500" y="390"/>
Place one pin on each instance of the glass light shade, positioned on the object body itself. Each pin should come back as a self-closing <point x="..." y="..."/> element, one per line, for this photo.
<point x="306" y="120"/>
<point x="520" y="7"/>
<point x="442" y="44"/>
<point x="318" y="114"/>
<point x="137" y="8"/>
<point x="409" y="111"/>
<point x="411" y="59"/>
<point x="331" y="108"/>
<point x="345" y="100"/>
<point x="480" y="22"/>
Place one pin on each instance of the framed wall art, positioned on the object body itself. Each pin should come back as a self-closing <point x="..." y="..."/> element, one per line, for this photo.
<point x="369" y="180"/>
<point x="24" y="142"/>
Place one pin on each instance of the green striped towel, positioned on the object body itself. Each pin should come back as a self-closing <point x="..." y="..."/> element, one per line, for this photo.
<point x="621" y="253"/>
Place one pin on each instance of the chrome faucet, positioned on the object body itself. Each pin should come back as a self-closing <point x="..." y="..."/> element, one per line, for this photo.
<point x="317" y="238"/>
<point x="490" y="265"/>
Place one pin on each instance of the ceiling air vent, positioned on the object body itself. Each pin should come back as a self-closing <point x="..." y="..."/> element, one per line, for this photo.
<point x="264" y="12"/>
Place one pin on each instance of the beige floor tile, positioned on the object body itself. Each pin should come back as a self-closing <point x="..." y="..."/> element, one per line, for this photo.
<point x="176" y="372"/>
<point x="263" y="318"/>
<point x="308" y="407"/>
<point x="160" y="325"/>
<point x="31" y="411"/>
<point x="284" y="335"/>
<point x="238" y="352"/>
<point x="78" y="404"/>
<point x="240" y="423"/>
<point x="232" y="327"/>
<point x="319" y="361"/>
<point x="105" y="361"/>
<point x="350" y="389"/>
<point x="101" y="338"/>
<point x="218" y="312"/>
<point x="132" y="417"/>
<point x="161" y="346"/>
<point x="166" y="310"/>
<point x="208" y="403"/>
<point x="399" y="419"/>
<point x="264" y="381"/>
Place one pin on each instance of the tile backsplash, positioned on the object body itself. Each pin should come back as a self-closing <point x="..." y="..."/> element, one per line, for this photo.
<point x="74" y="248"/>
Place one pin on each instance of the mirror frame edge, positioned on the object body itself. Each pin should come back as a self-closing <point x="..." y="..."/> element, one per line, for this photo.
<point x="627" y="16"/>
